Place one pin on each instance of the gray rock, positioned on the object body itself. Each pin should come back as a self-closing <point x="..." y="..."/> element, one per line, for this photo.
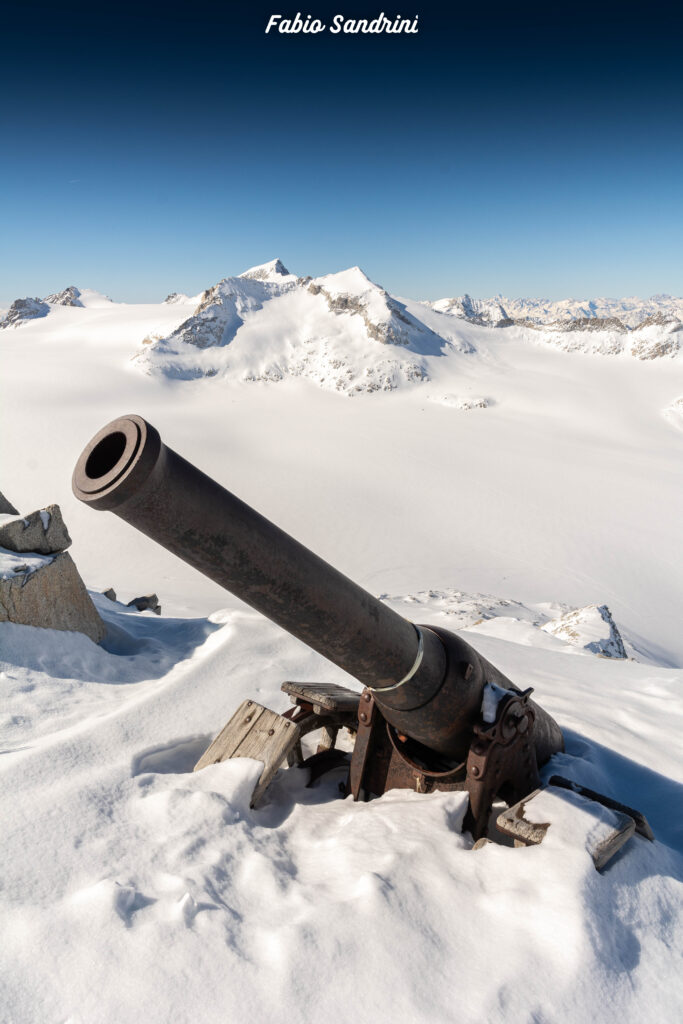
<point x="591" y="323"/>
<point x="592" y="628"/>
<point x="111" y="594"/>
<point x="6" y="507"/>
<point x="24" y="309"/>
<point x="150" y="602"/>
<point x="42" y="531"/>
<point x="68" y="297"/>
<point x="52" y="596"/>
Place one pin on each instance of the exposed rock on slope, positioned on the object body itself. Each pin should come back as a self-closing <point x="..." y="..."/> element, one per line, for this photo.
<point x="386" y="320"/>
<point x="488" y="312"/>
<point x="592" y="628"/>
<point x="46" y="591"/>
<point x="68" y="297"/>
<point x="22" y="310"/>
<point x="273" y="271"/>
<point x="222" y="309"/>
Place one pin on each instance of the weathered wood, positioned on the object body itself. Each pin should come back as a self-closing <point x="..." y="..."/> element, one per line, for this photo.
<point x="513" y="823"/>
<point x="327" y="696"/>
<point x="602" y="849"/>
<point x="254" y="731"/>
<point x="231" y="735"/>
<point x="328" y="737"/>
<point x="612" y="830"/>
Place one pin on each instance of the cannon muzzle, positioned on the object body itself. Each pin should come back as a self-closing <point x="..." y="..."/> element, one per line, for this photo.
<point x="427" y="682"/>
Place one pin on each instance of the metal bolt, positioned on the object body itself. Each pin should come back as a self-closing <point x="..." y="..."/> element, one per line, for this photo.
<point x="363" y="717"/>
<point x="367" y="697"/>
<point x="248" y="718"/>
<point x="474" y="770"/>
<point x="248" y="703"/>
<point x="271" y="732"/>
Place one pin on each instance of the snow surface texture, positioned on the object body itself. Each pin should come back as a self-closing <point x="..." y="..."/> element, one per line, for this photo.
<point x="134" y="889"/>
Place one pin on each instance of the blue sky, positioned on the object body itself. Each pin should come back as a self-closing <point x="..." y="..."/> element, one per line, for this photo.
<point x="523" y="149"/>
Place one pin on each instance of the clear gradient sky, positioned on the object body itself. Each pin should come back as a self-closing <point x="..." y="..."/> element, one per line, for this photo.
<point x="527" y="149"/>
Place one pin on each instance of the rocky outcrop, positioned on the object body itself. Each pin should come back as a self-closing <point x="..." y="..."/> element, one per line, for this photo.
<point x="6" y="507"/>
<point x="485" y="312"/>
<point x="222" y="309"/>
<point x="267" y="271"/>
<point x="43" y="531"/>
<point x="22" y="310"/>
<point x="68" y="297"/>
<point x="150" y="602"/>
<point x="655" y="344"/>
<point x="47" y="591"/>
<point x="585" y="323"/>
<point x="592" y="628"/>
<point x="386" y="320"/>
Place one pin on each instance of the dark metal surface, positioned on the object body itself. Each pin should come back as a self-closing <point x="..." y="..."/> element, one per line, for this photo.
<point x="127" y="469"/>
<point x="500" y="763"/>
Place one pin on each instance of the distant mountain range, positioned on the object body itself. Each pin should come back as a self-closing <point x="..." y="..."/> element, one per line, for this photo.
<point x="619" y="314"/>
<point x="346" y="332"/>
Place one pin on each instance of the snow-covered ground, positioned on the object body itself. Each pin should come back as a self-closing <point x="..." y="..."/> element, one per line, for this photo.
<point x="134" y="889"/>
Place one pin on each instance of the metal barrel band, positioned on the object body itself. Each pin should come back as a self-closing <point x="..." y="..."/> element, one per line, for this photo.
<point x="409" y="676"/>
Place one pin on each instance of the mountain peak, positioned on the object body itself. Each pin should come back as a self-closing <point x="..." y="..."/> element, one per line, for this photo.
<point x="267" y="271"/>
<point x="70" y="296"/>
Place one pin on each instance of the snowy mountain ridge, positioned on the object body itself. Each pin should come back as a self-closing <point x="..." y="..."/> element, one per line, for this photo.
<point x="268" y="324"/>
<point x="500" y="311"/>
<point x="346" y="333"/>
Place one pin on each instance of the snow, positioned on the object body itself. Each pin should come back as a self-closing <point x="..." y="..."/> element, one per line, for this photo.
<point x="13" y="563"/>
<point x="135" y="889"/>
<point x="274" y="270"/>
<point x="673" y="413"/>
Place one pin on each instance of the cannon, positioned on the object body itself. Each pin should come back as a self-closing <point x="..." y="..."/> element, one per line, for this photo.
<point x="433" y="713"/>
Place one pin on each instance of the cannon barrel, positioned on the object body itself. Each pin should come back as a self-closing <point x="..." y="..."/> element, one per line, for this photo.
<point x="428" y="683"/>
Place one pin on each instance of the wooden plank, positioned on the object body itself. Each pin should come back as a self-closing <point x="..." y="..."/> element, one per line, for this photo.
<point x="513" y="823"/>
<point x="603" y="848"/>
<point x="328" y="738"/>
<point x="270" y="741"/>
<point x="254" y="731"/>
<point x="612" y="830"/>
<point x="329" y="696"/>
<point x="231" y="735"/>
